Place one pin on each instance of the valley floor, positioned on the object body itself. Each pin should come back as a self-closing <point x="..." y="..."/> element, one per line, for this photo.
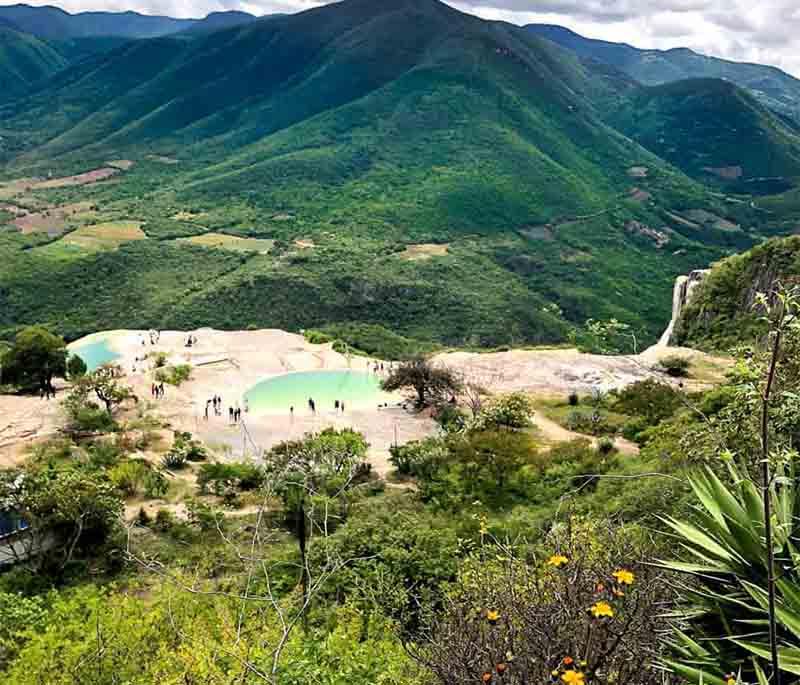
<point x="228" y="364"/>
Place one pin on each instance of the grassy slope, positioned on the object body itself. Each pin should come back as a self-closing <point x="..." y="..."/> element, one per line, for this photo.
<point x="721" y="313"/>
<point x="364" y="128"/>
<point x="25" y="60"/>
<point x="701" y="123"/>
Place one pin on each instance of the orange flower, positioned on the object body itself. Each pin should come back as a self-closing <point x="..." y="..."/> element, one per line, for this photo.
<point x="486" y="677"/>
<point x="602" y="609"/>
<point x="568" y="661"/>
<point x="501" y="668"/>
<point x="600" y="587"/>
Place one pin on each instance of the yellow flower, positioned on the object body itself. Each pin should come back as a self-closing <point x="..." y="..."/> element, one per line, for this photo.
<point x="573" y="678"/>
<point x="492" y="616"/>
<point x="624" y="577"/>
<point x="730" y="681"/>
<point x="557" y="560"/>
<point x="602" y="609"/>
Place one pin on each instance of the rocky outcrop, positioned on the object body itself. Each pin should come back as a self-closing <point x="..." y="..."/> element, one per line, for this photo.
<point x="681" y="294"/>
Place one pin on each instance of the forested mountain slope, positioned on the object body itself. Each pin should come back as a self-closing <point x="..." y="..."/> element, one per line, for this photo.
<point x="420" y="170"/>
<point x="713" y="130"/>
<point x="25" y="60"/>
<point x="774" y="88"/>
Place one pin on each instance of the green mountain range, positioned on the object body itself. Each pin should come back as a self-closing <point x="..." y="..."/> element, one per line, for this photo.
<point x="774" y="88"/>
<point x="54" y="23"/>
<point x="24" y="61"/>
<point x="366" y="167"/>
<point x="715" y="131"/>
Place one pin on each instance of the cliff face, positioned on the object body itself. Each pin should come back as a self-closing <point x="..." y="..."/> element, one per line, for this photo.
<point x="681" y="294"/>
<point x="723" y="312"/>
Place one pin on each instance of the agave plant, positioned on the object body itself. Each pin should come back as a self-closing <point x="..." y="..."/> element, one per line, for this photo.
<point x="726" y="564"/>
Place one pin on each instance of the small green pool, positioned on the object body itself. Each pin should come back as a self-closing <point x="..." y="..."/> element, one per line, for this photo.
<point x="356" y="389"/>
<point x="95" y="353"/>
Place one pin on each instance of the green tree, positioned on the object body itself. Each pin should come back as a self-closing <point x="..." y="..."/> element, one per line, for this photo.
<point x="68" y="511"/>
<point x="312" y="477"/>
<point x="35" y="359"/>
<point x="106" y="385"/>
<point x="433" y="383"/>
<point x="512" y="412"/>
<point x="76" y="367"/>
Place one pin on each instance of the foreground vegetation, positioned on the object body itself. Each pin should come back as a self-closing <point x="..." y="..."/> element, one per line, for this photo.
<point x="507" y="561"/>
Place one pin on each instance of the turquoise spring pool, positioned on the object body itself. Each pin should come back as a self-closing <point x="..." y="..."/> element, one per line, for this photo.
<point x="356" y="389"/>
<point x="95" y="353"/>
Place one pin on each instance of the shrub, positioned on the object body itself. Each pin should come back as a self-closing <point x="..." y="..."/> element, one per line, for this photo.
<point x="129" y="477"/>
<point x="651" y="399"/>
<point x="317" y="337"/>
<point x="104" y="454"/>
<point x="509" y="412"/>
<point x="240" y="475"/>
<point x="419" y="458"/>
<point x="675" y="366"/>
<point x="185" y="448"/>
<point x="634" y="428"/>
<point x="605" y="446"/>
<point x="76" y="367"/>
<point x="174" y="461"/>
<point x="573" y="400"/>
<point x="174" y="375"/>
<point x="203" y="516"/>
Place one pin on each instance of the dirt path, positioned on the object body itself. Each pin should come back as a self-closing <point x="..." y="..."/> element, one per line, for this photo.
<point x="553" y="434"/>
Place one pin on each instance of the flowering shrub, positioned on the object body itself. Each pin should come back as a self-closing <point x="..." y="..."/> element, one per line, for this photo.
<point x="589" y="612"/>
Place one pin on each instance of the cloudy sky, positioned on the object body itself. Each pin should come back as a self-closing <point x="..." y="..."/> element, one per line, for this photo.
<point x="765" y="31"/>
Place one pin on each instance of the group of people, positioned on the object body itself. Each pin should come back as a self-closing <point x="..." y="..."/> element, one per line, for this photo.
<point x="157" y="390"/>
<point x="215" y="403"/>
<point x="338" y="405"/>
<point x="378" y="367"/>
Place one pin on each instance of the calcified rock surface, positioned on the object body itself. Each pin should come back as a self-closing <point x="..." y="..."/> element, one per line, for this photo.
<point x="681" y="295"/>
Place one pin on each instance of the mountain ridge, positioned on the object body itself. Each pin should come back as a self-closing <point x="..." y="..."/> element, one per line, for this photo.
<point x="774" y="87"/>
<point x="52" y="22"/>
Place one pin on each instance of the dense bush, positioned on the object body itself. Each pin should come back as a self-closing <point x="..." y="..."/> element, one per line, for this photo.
<point x="675" y="366"/>
<point x="217" y="477"/>
<point x="650" y="399"/>
<point x="174" y="375"/>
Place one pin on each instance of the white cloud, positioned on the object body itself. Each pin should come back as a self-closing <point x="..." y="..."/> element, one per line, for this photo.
<point x="766" y="31"/>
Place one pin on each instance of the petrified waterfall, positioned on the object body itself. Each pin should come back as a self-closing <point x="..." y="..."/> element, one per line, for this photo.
<point x="681" y="293"/>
